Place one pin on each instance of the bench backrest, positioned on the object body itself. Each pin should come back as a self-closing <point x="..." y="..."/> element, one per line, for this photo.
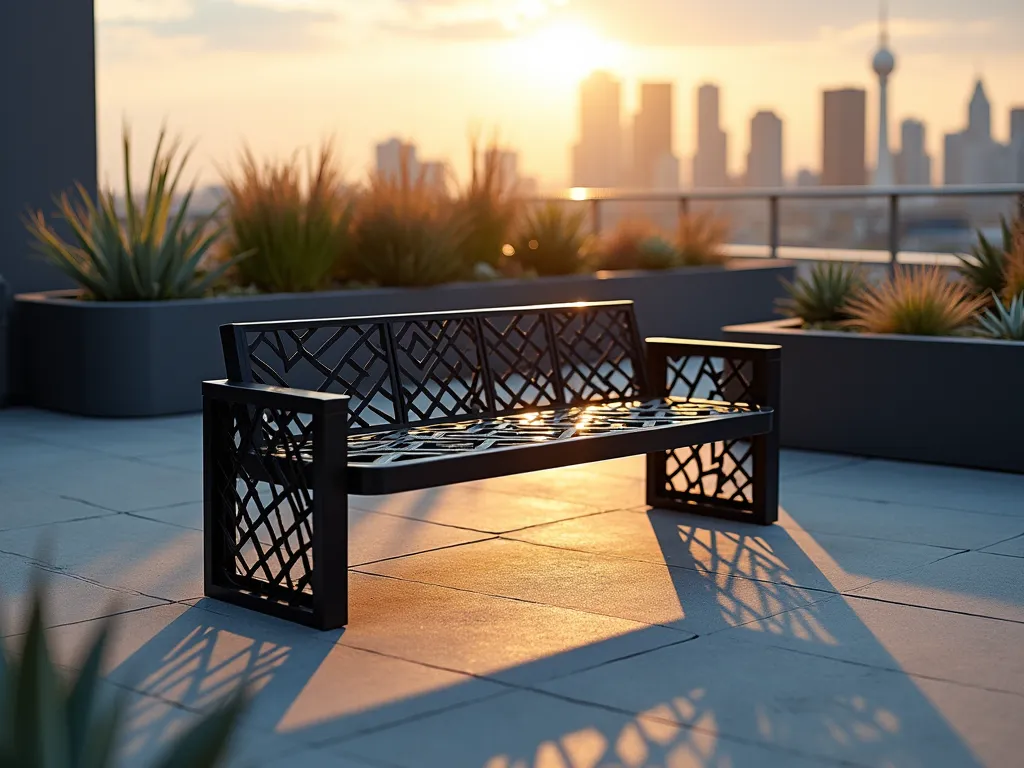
<point x="442" y="366"/>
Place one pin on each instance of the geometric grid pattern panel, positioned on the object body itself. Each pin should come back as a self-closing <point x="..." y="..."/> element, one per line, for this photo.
<point x="431" y="368"/>
<point x="266" y="522"/>
<point x="439" y="369"/>
<point x="564" y="424"/>
<point x="722" y="471"/>
<point x="348" y="360"/>
<point x="719" y="473"/>
<point x="598" y="354"/>
<point x="711" y="378"/>
<point x="520" y="361"/>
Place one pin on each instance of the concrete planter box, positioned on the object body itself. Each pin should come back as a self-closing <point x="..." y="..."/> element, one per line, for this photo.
<point x="937" y="400"/>
<point x="148" y="358"/>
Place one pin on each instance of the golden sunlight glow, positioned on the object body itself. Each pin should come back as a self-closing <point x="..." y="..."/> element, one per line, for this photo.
<point x="578" y="193"/>
<point x="566" y="51"/>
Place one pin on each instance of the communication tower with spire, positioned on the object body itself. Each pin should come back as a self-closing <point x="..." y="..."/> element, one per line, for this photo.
<point x="883" y="64"/>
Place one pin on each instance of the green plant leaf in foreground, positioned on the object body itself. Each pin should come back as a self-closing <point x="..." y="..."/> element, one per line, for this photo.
<point x="51" y="719"/>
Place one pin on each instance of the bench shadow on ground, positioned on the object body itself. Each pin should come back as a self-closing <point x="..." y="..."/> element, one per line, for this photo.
<point x="704" y="702"/>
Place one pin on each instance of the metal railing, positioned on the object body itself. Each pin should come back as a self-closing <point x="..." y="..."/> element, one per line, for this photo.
<point x="596" y="198"/>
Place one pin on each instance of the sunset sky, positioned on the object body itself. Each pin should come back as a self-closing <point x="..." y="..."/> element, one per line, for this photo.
<point x="281" y="74"/>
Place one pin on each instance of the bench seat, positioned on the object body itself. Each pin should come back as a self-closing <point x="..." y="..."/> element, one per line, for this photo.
<point x="427" y="456"/>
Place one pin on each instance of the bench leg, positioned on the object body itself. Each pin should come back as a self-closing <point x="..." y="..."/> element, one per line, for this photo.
<point x="736" y="480"/>
<point x="276" y="527"/>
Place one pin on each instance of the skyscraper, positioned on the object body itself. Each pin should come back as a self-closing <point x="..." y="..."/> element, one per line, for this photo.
<point x="393" y="154"/>
<point x="1017" y="143"/>
<point x="710" y="160"/>
<point x="653" y="157"/>
<point x="972" y="156"/>
<point x="979" y="114"/>
<point x="764" y="161"/>
<point x="883" y="64"/>
<point x="1017" y="125"/>
<point x="843" y="140"/>
<point x="913" y="166"/>
<point x="597" y="157"/>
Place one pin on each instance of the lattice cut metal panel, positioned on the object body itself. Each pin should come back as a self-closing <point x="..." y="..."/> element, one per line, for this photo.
<point x="445" y="440"/>
<point x="265" y="504"/>
<point x="439" y="369"/>
<point x="352" y="360"/>
<point x="711" y="378"/>
<point x="423" y="369"/>
<point x="712" y="473"/>
<point x="520" y="360"/>
<point x="599" y="354"/>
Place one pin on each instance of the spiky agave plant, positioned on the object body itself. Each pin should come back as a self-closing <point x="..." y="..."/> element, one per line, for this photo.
<point x="821" y="297"/>
<point x="48" y="720"/>
<point x="550" y="240"/>
<point x="984" y="267"/>
<point x="406" y="232"/>
<point x="488" y="205"/>
<point x="296" y="221"/>
<point x="1003" y="320"/>
<point x="156" y="254"/>
<point x="919" y="301"/>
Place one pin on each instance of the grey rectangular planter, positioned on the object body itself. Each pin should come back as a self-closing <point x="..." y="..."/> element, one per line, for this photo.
<point x="148" y="358"/>
<point x="950" y="401"/>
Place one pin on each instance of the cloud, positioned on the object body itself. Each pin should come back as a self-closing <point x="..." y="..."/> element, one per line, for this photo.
<point x="467" y="19"/>
<point x="471" y="29"/>
<point x="671" y="23"/>
<point x="223" y="25"/>
<point x="109" y="11"/>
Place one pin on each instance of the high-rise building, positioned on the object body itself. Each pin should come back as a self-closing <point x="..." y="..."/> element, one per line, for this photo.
<point x="764" y="161"/>
<point x="972" y="156"/>
<point x="979" y="114"/>
<point x="597" y="156"/>
<point x="653" y="157"/>
<point x="1017" y="125"/>
<point x="710" y="166"/>
<point x="913" y="165"/>
<point x="434" y="173"/>
<point x="393" y="154"/>
<point x="883" y="64"/>
<point x="843" y="140"/>
<point x="1017" y="143"/>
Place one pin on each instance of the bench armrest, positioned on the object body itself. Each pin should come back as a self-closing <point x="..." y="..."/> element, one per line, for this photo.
<point x="716" y="370"/>
<point x="728" y="349"/>
<point x="304" y="400"/>
<point x="274" y="473"/>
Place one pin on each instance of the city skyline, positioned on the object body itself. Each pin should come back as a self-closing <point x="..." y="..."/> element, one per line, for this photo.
<point x="282" y="75"/>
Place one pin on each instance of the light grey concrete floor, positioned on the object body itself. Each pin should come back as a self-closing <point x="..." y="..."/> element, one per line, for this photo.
<point x="549" y="620"/>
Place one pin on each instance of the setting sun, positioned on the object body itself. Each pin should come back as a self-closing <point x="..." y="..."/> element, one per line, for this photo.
<point x="566" y="51"/>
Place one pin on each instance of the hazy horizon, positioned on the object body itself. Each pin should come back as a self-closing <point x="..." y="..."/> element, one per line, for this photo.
<point x="282" y="74"/>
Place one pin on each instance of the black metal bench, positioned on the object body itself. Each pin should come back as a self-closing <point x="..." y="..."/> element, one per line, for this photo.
<point x="314" y="410"/>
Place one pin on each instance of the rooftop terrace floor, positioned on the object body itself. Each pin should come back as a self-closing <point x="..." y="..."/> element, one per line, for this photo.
<point x="547" y="620"/>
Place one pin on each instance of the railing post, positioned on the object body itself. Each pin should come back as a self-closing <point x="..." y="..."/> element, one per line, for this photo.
<point x="894" y="231"/>
<point x="595" y="215"/>
<point x="684" y="207"/>
<point x="773" y="226"/>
